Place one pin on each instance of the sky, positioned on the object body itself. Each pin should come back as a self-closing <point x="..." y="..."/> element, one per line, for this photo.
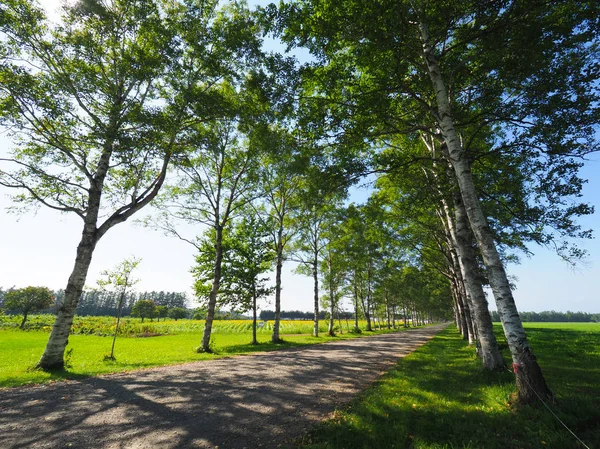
<point x="38" y="248"/>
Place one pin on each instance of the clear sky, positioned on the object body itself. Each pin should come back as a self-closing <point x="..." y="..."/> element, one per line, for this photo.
<point x="39" y="249"/>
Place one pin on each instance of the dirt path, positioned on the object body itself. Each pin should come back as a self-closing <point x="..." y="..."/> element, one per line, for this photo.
<point x="262" y="400"/>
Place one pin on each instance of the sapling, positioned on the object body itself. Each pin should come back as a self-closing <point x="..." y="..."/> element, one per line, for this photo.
<point x="120" y="279"/>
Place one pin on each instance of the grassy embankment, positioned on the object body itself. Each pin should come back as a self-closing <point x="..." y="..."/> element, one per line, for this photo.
<point x="439" y="397"/>
<point x="20" y="350"/>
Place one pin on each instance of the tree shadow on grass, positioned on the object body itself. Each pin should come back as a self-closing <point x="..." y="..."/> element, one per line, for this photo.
<point x="52" y="376"/>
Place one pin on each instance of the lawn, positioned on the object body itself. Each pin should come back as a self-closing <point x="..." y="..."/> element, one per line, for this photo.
<point x="85" y="352"/>
<point x="439" y="397"/>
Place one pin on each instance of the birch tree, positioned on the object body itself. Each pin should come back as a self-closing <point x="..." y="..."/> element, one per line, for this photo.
<point x="281" y="181"/>
<point x="248" y="258"/>
<point x="455" y="70"/>
<point x="93" y="117"/>
<point x="218" y="179"/>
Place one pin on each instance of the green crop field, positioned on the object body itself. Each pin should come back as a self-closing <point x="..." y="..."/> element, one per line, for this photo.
<point x="131" y="327"/>
<point x="439" y="397"/>
<point x="164" y="343"/>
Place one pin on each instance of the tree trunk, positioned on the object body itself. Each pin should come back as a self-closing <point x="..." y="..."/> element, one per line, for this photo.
<point x="212" y="298"/>
<point x="25" y="313"/>
<point x="316" y="295"/>
<point x="356" y="328"/>
<point x="460" y="294"/>
<point x="53" y="356"/>
<point x="489" y="351"/>
<point x="254" y="340"/>
<point x="119" y="309"/>
<point x="331" y="299"/>
<point x="367" y="315"/>
<point x="367" y="306"/>
<point x="387" y="310"/>
<point x="331" y="321"/>
<point x="466" y="308"/>
<point x="529" y="378"/>
<point x="457" y="316"/>
<point x="275" y="337"/>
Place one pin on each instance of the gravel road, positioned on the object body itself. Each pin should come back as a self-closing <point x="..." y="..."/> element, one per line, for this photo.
<point x="264" y="400"/>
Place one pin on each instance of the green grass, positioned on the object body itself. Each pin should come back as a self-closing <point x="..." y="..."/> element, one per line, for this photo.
<point x="439" y="397"/>
<point x="20" y="350"/>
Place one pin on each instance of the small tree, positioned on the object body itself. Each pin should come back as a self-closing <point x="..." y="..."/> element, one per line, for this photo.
<point x="28" y="299"/>
<point x="145" y="308"/>
<point x="162" y="312"/>
<point x="120" y="279"/>
<point x="177" y="313"/>
<point x="249" y="257"/>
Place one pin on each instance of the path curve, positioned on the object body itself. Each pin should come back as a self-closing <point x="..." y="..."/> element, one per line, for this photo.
<point x="255" y="401"/>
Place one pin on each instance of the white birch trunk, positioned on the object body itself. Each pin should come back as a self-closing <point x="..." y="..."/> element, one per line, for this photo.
<point x="214" y="291"/>
<point x="53" y="356"/>
<point x="275" y="337"/>
<point x="529" y="377"/>
<point x="490" y="353"/>
<point x="316" y="294"/>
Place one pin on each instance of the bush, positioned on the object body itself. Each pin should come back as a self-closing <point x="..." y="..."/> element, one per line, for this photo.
<point x="177" y="313"/>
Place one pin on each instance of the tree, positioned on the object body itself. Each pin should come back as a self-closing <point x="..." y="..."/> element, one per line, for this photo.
<point x="120" y="280"/>
<point x="310" y="241"/>
<point x="178" y="313"/>
<point x="27" y="300"/>
<point x="362" y="253"/>
<point x="249" y="256"/>
<point x="518" y="72"/>
<point x="218" y="180"/>
<point x="144" y="308"/>
<point x="162" y="312"/>
<point x="280" y="181"/>
<point x="333" y="267"/>
<point x="442" y="239"/>
<point x="96" y="106"/>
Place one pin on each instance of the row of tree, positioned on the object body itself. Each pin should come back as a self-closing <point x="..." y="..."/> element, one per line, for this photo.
<point x="472" y="117"/>
<point x="105" y="302"/>
<point x="95" y="303"/>
<point x="555" y="317"/>
<point x="267" y="315"/>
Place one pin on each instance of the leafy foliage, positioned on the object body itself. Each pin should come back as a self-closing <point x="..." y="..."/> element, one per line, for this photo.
<point x="144" y="309"/>
<point x="27" y="300"/>
<point x="177" y="313"/>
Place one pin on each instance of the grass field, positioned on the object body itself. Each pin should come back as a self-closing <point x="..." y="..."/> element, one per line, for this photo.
<point x="439" y="397"/>
<point x="20" y="350"/>
<point x="131" y="327"/>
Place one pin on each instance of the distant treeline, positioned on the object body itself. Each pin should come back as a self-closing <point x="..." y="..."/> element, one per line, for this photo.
<point x="104" y="303"/>
<point x="267" y="315"/>
<point x="554" y="317"/>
